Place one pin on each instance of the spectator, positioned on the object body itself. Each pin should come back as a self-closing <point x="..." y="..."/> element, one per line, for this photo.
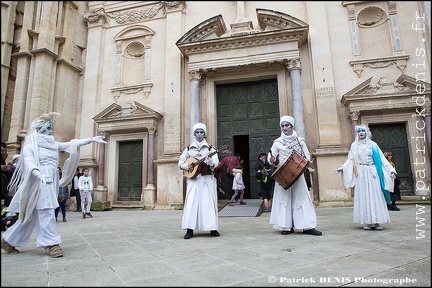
<point x="75" y="190"/>
<point x="4" y="172"/>
<point x="85" y="185"/>
<point x="229" y="162"/>
<point x="260" y="164"/>
<point x="62" y="198"/>
<point x="263" y="176"/>
<point x="12" y="167"/>
<point x="238" y="185"/>
<point x="395" y="196"/>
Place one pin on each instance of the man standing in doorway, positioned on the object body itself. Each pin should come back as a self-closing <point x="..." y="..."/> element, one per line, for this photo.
<point x="229" y="162"/>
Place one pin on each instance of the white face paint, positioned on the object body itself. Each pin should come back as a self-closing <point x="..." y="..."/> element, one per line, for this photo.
<point x="199" y="135"/>
<point x="361" y="133"/>
<point x="287" y="128"/>
<point x="47" y="128"/>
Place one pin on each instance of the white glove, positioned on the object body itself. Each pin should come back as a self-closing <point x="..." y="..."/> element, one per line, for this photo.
<point x="98" y="139"/>
<point x="209" y="161"/>
<point x="393" y="175"/>
<point x="44" y="179"/>
<point x="184" y="166"/>
<point x="338" y="170"/>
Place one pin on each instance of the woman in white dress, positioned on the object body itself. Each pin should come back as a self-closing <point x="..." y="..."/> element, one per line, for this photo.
<point x="372" y="177"/>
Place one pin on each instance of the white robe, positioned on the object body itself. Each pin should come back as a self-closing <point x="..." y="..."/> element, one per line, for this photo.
<point x="200" y="211"/>
<point x="291" y="207"/>
<point x="35" y="202"/>
<point x="359" y="171"/>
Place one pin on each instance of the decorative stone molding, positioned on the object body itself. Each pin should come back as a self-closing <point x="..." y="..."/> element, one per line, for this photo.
<point x="369" y="14"/>
<point x="135" y="49"/>
<point x="399" y="60"/>
<point x="139" y="15"/>
<point x="133" y="89"/>
<point x="385" y="94"/>
<point x="133" y="117"/>
<point x="284" y="28"/>
<point x="96" y="16"/>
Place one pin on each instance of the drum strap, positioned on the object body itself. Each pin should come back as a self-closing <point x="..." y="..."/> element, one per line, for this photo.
<point x="302" y="153"/>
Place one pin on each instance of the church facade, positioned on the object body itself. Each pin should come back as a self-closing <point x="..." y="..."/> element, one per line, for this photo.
<point x="142" y="73"/>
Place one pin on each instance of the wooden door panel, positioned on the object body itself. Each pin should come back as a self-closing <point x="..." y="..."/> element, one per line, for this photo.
<point x="393" y="137"/>
<point x="248" y="109"/>
<point x="130" y="171"/>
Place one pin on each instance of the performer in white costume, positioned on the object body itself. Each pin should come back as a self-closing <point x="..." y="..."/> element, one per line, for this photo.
<point x="200" y="210"/>
<point x="292" y="207"/>
<point x="372" y="176"/>
<point x="37" y="181"/>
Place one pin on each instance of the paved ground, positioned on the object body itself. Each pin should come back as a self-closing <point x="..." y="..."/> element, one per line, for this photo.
<point x="146" y="248"/>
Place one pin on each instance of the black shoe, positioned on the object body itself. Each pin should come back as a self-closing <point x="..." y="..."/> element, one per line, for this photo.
<point x="312" y="231"/>
<point x="393" y="207"/>
<point x="214" y="233"/>
<point x="286" y="232"/>
<point x="189" y="234"/>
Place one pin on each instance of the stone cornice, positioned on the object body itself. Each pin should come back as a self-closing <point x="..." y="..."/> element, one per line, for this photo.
<point x="245" y="41"/>
<point x="380" y="62"/>
<point x="210" y="35"/>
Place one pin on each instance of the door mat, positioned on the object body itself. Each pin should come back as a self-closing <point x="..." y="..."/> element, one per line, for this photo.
<point x="252" y="208"/>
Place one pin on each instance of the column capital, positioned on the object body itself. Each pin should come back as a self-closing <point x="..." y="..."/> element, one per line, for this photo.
<point x="195" y="75"/>
<point x="294" y="64"/>
<point x="354" y="115"/>
<point x="151" y="130"/>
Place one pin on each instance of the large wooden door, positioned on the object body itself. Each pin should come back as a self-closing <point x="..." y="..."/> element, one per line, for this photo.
<point x="130" y="171"/>
<point x="248" y="121"/>
<point x="393" y="137"/>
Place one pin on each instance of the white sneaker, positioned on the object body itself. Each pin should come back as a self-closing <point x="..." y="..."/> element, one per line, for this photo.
<point x="378" y="227"/>
<point x="368" y="226"/>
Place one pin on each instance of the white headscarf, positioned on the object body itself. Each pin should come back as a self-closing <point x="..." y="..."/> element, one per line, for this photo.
<point x="368" y="132"/>
<point x="199" y="126"/>
<point x="288" y="119"/>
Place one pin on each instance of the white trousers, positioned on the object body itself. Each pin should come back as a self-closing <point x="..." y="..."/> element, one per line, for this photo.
<point x="19" y="234"/>
<point x="86" y="195"/>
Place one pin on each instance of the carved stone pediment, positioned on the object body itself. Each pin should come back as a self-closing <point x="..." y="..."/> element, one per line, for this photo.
<point x="385" y="93"/>
<point x="130" y="117"/>
<point x="280" y="37"/>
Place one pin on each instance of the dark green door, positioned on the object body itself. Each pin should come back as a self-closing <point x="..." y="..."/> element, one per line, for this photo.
<point x="248" y="121"/>
<point x="393" y="137"/>
<point x="130" y="171"/>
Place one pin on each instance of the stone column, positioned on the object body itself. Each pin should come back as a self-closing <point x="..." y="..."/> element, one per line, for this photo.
<point x="195" y="77"/>
<point x="294" y="67"/>
<point x="9" y="8"/>
<point x="149" y="194"/>
<point x="150" y="155"/>
<point x="354" y="122"/>
<point x="101" y="168"/>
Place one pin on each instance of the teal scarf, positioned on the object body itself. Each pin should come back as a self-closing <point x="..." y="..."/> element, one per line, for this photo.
<point x="378" y="165"/>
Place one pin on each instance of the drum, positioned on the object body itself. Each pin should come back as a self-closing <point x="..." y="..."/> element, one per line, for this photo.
<point x="293" y="167"/>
